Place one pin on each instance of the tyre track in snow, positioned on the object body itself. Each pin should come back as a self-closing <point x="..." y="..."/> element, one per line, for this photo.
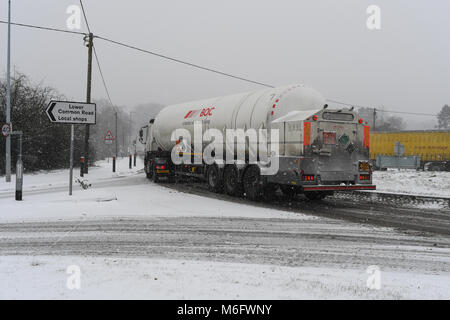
<point x="386" y="214"/>
<point x="421" y="244"/>
<point x="287" y="242"/>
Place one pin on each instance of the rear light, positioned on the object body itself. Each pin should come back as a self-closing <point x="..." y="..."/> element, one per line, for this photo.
<point x="364" y="177"/>
<point x="307" y="177"/>
<point x="162" y="167"/>
<point x="314" y="117"/>
<point x="307" y="134"/>
<point x="360" y="121"/>
<point x="366" y="136"/>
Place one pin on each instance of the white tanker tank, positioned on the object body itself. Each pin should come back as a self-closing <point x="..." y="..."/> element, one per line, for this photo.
<point x="255" y="109"/>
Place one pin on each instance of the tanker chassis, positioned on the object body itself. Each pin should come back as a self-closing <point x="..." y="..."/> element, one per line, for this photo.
<point x="317" y="150"/>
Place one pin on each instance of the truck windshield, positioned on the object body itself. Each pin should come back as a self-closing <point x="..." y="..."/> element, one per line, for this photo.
<point x="337" y="116"/>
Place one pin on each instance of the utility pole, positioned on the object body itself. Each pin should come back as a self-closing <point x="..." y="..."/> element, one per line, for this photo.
<point x="374" y="118"/>
<point x="116" y="138"/>
<point x="130" y="133"/>
<point x="90" y="39"/>
<point x="8" y="98"/>
<point x="117" y="134"/>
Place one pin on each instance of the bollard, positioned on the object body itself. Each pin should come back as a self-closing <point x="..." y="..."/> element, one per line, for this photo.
<point x="130" y="160"/>
<point x="114" y="164"/>
<point x="135" y="159"/>
<point x="82" y="167"/>
<point x="19" y="179"/>
<point x="19" y="170"/>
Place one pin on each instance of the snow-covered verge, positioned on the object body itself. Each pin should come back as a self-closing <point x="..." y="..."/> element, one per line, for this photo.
<point x="46" y="277"/>
<point x="101" y="171"/>
<point x="137" y="197"/>
<point x="423" y="183"/>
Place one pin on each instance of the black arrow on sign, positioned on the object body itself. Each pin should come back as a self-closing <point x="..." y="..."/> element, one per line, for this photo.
<point x="49" y="111"/>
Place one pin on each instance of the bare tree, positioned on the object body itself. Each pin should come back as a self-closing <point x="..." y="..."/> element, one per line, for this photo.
<point x="444" y="118"/>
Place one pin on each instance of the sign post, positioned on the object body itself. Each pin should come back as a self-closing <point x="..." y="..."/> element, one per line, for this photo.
<point x="109" y="139"/>
<point x="68" y="112"/>
<point x="71" y="159"/>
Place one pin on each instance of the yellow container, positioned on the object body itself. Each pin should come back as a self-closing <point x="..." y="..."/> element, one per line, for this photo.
<point x="429" y="145"/>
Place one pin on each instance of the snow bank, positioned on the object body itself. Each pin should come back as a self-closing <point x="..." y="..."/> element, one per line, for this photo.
<point x="424" y="183"/>
<point x="102" y="170"/>
<point x="46" y="277"/>
<point x="127" y="193"/>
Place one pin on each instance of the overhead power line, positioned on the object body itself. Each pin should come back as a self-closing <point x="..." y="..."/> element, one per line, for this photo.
<point x="85" y="18"/>
<point x="42" y="28"/>
<point x="103" y="78"/>
<point x="96" y="58"/>
<point x="382" y="110"/>
<point x="183" y="62"/>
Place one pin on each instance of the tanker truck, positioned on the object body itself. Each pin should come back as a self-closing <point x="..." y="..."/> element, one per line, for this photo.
<point x="302" y="146"/>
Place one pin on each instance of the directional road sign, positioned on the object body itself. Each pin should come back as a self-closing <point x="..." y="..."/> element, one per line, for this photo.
<point x="71" y="112"/>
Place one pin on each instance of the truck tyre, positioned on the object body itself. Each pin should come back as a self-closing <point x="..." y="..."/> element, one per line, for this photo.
<point x="148" y="171"/>
<point x="253" y="183"/>
<point x="289" y="191"/>
<point x="148" y="168"/>
<point x="155" y="175"/>
<point x="215" y="182"/>
<point x="232" y="185"/>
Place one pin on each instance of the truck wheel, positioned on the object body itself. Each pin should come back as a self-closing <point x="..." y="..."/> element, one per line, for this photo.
<point x="148" y="168"/>
<point x="155" y="176"/>
<point x="148" y="171"/>
<point x="215" y="182"/>
<point x="253" y="183"/>
<point x="232" y="185"/>
<point x="289" y="191"/>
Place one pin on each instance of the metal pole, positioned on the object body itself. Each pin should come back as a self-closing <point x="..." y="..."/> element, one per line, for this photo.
<point x="8" y="97"/>
<point x="71" y="158"/>
<point x="117" y="135"/>
<point x="129" y="132"/>
<point x="88" y="100"/>
<point x="374" y="118"/>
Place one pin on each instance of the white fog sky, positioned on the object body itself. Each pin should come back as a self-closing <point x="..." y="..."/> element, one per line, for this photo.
<point x="323" y="43"/>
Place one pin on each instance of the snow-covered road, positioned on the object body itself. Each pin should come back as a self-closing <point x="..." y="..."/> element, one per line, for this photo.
<point x="134" y="239"/>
